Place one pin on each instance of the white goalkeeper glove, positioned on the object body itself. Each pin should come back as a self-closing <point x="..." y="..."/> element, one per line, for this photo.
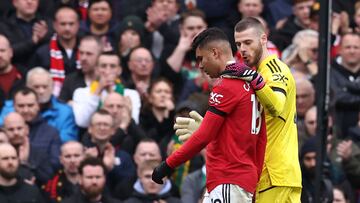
<point x="185" y="126"/>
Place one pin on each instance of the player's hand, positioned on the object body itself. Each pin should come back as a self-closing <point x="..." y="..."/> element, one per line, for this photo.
<point x="244" y="72"/>
<point x="161" y="172"/>
<point x="186" y="126"/>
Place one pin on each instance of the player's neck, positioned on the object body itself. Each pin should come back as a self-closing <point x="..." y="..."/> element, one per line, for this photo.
<point x="264" y="55"/>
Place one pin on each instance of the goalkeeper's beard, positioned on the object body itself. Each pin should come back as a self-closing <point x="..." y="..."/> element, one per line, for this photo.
<point x="258" y="52"/>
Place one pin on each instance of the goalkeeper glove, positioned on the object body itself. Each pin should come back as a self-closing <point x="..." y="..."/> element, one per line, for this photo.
<point x="243" y="72"/>
<point x="186" y="126"/>
<point x="160" y="172"/>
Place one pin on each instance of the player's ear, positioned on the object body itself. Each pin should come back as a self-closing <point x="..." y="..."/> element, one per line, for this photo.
<point x="215" y="52"/>
<point x="263" y="39"/>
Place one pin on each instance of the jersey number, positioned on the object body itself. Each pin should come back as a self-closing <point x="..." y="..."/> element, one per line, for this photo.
<point x="255" y="116"/>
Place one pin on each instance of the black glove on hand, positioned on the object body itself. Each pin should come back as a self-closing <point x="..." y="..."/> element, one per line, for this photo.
<point x="160" y="172"/>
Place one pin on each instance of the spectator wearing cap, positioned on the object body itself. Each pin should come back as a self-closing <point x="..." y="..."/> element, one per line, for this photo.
<point x="99" y="23"/>
<point x="287" y="28"/>
<point x="308" y="164"/>
<point x="130" y="35"/>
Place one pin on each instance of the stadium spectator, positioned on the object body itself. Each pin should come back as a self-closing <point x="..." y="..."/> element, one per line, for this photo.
<point x="162" y="25"/>
<point x="60" y="56"/>
<point x="141" y="65"/>
<point x="30" y="157"/>
<point x="128" y="133"/>
<point x="302" y="54"/>
<point x="66" y="181"/>
<point x="54" y="112"/>
<point x="146" y="190"/>
<point x="86" y="100"/>
<point x="99" y="23"/>
<point x="178" y="61"/>
<point x="89" y="51"/>
<point x="97" y="144"/>
<point x="92" y="183"/>
<point x="12" y="188"/>
<point x="299" y="20"/>
<point x="42" y="136"/>
<point x="157" y="116"/>
<point x="131" y="34"/>
<point x="345" y="82"/>
<point x="26" y="31"/>
<point x="10" y="77"/>
<point x="308" y="164"/>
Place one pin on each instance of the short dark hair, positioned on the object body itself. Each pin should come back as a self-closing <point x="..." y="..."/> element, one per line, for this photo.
<point x="355" y="34"/>
<point x="102" y="112"/>
<point x="110" y="53"/>
<point x="249" y="22"/>
<point x="25" y="91"/>
<point x="92" y="161"/>
<point x="93" y="38"/>
<point x="207" y="36"/>
<point x="92" y="2"/>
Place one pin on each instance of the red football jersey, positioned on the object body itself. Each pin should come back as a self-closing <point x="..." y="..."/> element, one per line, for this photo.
<point x="236" y="144"/>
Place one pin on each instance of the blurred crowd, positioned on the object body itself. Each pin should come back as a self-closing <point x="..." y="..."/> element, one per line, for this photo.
<point x="89" y="90"/>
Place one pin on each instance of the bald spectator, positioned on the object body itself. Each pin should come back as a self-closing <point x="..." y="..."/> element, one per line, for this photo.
<point x="60" y="55"/>
<point x="345" y="82"/>
<point x="12" y="188"/>
<point x="128" y="133"/>
<point x="54" y="112"/>
<point x="30" y="157"/>
<point x="305" y="97"/>
<point x="66" y="181"/>
<point x="3" y="136"/>
<point x="89" y="51"/>
<point x="26" y="31"/>
<point x="88" y="99"/>
<point x="42" y="136"/>
<point x="10" y="77"/>
<point x="141" y="66"/>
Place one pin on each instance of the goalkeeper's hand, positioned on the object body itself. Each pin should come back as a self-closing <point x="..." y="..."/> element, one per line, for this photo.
<point x="185" y="126"/>
<point x="244" y="72"/>
<point x="161" y="172"/>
